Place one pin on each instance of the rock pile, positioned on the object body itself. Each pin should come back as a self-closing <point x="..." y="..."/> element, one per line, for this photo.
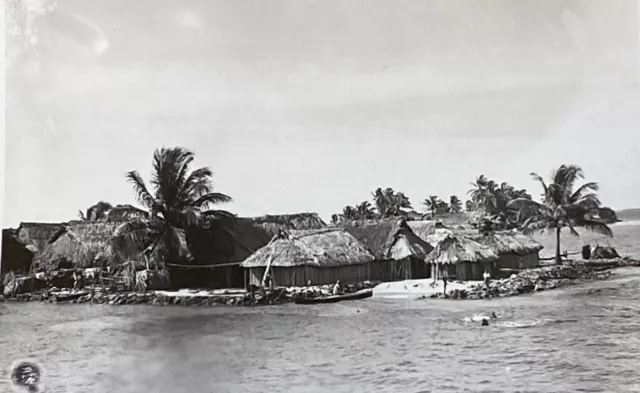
<point x="541" y="279"/>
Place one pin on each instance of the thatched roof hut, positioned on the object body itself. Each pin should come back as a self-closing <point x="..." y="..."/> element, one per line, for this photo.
<point x="76" y="244"/>
<point x="455" y="249"/>
<point x="15" y="256"/>
<point x="37" y="234"/>
<point x="506" y="242"/>
<point x="516" y="250"/>
<point x="329" y="247"/>
<point x="388" y="238"/>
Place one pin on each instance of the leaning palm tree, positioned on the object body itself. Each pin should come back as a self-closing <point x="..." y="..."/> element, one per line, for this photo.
<point x="180" y="198"/>
<point x="562" y="206"/>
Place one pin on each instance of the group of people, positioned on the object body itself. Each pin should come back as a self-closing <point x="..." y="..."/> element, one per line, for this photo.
<point x="486" y="277"/>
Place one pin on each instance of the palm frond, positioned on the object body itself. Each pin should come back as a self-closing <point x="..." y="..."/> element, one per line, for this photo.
<point x="81" y="215"/>
<point x="131" y="243"/>
<point x="588" y="202"/>
<point x="597" y="227"/>
<point x="176" y="243"/>
<point x="197" y="184"/>
<point x="565" y="178"/>
<point x="540" y="180"/>
<point x="168" y="164"/>
<point x="185" y="162"/>
<point x="212" y="198"/>
<point x="572" y="230"/>
<point x="142" y="193"/>
<point x="587" y="187"/>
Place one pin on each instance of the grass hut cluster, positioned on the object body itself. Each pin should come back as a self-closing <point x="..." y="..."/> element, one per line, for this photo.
<point x="296" y="249"/>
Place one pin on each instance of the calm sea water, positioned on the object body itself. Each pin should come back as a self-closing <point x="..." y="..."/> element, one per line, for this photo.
<point x="586" y="338"/>
<point x="581" y="339"/>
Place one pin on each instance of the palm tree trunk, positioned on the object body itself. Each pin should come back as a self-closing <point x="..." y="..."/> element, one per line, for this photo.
<point x="558" y="259"/>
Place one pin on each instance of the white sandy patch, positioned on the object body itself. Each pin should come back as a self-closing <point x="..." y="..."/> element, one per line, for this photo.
<point x="418" y="288"/>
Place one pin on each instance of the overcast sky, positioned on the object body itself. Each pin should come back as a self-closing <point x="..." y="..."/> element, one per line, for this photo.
<point x="310" y="105"/>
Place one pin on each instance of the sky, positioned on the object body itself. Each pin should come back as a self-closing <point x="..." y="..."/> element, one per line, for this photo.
<point x="302" y="106"/>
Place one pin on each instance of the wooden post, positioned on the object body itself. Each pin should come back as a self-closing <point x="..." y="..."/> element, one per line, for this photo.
<point x="266" y="270"/>
<point x="245" y="281"/>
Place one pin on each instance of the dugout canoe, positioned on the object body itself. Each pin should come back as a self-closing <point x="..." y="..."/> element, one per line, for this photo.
<point x="363" y="294"/>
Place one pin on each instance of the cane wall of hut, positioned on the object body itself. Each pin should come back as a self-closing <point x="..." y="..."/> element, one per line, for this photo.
<point x="298" y="276"/>
<point x="528" y="261"/>
<point x="420" y="269"/>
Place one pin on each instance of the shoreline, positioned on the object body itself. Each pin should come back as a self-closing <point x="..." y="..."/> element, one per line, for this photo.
<point x="527" y="281"/>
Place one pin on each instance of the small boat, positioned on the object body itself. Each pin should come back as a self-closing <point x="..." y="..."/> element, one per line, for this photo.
<point x="68" y="296"/>
<point x="363" y="294"/>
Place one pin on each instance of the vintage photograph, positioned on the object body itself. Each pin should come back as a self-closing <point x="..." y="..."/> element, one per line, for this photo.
<point x="316" y="196"/>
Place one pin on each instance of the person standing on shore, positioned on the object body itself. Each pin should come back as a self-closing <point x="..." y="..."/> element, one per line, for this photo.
<point x="487" y="277"/>
<point x="444" y="281"/>
<point x="336" y="288"/>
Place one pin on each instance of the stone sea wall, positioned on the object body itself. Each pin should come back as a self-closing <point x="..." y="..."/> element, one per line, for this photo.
<point x="196" y="298"/>
<point x="544" y="278"/>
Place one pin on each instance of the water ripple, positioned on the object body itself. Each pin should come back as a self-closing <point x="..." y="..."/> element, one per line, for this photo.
<point x="577" y="340"/>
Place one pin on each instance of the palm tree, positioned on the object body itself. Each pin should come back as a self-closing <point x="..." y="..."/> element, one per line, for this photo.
<point x="349" y="213"/>
<point x="365" y="210"/>
<point x="389" y="203"/>
<point x="382" y="200"/>
<point x="431" y="204"/>
<point x="96" y="212"/>
<point x="468" y="206"/>
<point x="455" y="204"/>
<point x="180" y="198"/>
<point x="562" y="206"/>
<point x="483" y="194"/>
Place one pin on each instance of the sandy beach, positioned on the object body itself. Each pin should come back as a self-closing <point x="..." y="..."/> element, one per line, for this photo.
<point x="418" y="288"/>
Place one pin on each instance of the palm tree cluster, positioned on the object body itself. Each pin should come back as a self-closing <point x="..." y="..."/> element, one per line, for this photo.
<point x="493" y="201"/>
<point x="386" y="203"/>
<point x="182" y="199"/>
<point x="435" y="205"/>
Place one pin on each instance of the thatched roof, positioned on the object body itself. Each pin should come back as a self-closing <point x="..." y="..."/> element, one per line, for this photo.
<point x="327" y="247"/>
<point x="508" y="242"/>
<point x="77" y="244"/>
<point x="454" y="249"/>
<point x="15" y="255"/>
<point x="299" y="221"/>
<point x="37" y="234"/>
<point x="389" y="238"/>
<point x="433" y="231"/>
